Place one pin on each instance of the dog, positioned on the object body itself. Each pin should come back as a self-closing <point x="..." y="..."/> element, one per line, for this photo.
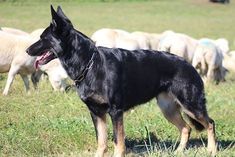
<point x="112" y="81"/>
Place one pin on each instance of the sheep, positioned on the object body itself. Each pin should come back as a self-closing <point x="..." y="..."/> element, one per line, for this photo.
<point x="117" y="38"/>
<point x="14" y="59"/>
<point x="35" y="76"/>
<point x="223" y="44"/>
<point x="178" y="44"/>
<point x="229" y="61"/>
<point x="14" y="31"/>
<point x="151" y="40"/>
<point x="232" y="54"/>
<point x="208" y="59"/>
<point x="142" y="38"/>
<point x="56" y="73"/>
<point x="36" y="33"/>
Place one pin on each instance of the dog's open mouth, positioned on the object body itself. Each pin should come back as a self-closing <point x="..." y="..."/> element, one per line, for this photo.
<point x="46" y="57"/>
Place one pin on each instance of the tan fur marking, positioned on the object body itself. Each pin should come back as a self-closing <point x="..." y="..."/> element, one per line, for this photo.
<point x="99" y="99"/>
<point x="211" y="146"/>
<point x="119" y="147"/>
<point x="185" y="133"/>
<point x="102" y="136"/>
<point x="171" y="111"/>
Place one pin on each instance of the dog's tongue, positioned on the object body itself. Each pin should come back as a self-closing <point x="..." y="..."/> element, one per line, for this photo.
<point x="40" y="59"/>
<point x="36" y="64"/>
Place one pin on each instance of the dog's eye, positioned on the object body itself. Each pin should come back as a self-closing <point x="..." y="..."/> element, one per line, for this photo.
<point x="44" y="38"/>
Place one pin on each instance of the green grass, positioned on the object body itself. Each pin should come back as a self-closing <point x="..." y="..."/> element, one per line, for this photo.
<point x="47" y="123"/>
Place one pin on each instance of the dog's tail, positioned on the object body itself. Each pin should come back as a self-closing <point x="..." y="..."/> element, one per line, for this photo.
<point x="192" y="113"/>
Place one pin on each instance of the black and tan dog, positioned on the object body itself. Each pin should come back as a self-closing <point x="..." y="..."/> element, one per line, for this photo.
<point x="111" y="81"/>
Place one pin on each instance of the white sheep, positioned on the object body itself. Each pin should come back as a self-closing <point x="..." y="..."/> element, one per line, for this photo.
<point x="56" y="73"/>
<point x="208" y="59"/>
<point x="232" y="54"/>
<point x="223" y="44"/>
<point x="229" y="61"/>
<point x="14" y="31"/>
<point x="14" y="59"/>
<point x="151" y="40"/>
<point x="178" y="44"/>
<point x="117" y="38"/>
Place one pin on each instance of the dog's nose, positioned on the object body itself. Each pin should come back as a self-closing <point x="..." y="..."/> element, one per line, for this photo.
<point x="27" y="50"/>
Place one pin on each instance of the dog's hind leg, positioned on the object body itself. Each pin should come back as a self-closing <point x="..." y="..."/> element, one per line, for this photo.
<point x="118" y="133"/>
<point x="101" y="133"/>
<point x="11" y="75"/>
<point x="171" y="111"/>
<point x="209" y="125"/>
<point x="200" y="119"/>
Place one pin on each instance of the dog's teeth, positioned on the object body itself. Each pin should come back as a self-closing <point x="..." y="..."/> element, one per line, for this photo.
<point x="41" y="59"/>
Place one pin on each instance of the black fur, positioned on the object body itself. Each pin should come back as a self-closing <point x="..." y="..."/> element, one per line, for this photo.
<point x="220" y="1"/>
<point x="118" y="79"/>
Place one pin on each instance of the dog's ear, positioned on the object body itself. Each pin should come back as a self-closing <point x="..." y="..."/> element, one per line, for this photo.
<point x="60" y="23"/>
<point x="55" y="19"/>
<point x="62" y="15"/>
<point x="53" y="25"/>
<point x="53" y="13"/>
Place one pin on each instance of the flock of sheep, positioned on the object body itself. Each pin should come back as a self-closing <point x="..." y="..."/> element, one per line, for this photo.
<point x="210" y="57"/>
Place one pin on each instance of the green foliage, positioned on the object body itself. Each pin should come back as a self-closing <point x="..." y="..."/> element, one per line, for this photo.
<point x="47" y="123"/>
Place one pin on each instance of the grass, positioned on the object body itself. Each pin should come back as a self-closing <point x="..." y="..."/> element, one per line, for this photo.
<point x="47" y="123"/>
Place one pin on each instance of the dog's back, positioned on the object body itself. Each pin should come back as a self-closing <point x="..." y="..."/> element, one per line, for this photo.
<point x="145" y="74"/>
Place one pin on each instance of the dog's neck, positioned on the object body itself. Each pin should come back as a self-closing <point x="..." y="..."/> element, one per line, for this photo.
<point x="79" y="52"/>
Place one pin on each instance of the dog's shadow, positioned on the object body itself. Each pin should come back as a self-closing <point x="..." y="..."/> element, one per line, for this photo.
<point x="152" y="143"/>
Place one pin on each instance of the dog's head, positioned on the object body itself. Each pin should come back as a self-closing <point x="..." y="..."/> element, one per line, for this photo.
<point x="50" y="44"/>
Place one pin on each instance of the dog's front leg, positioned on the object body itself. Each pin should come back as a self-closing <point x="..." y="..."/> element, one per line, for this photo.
<point x="101" y="133"/>
<point x="118" y="133"/>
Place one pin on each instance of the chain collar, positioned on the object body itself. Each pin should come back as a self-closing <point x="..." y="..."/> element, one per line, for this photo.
<point x="85" y="71"/>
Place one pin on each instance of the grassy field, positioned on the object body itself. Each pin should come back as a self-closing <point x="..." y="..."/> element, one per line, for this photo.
<point x="47" y="123"/>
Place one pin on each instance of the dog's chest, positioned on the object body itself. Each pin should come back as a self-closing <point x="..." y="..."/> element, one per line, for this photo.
<point x="94" y="97"/>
